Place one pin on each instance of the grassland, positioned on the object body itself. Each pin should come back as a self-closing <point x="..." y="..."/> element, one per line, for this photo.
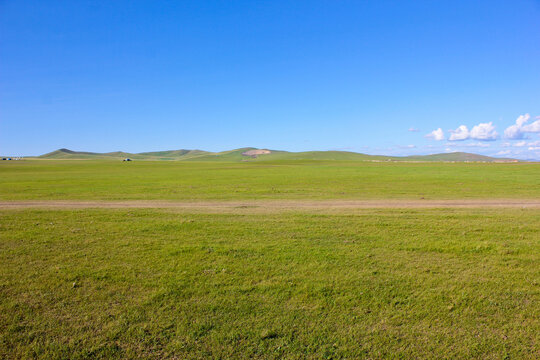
<point x="161" y="180"/>
<point x="247" y="282"/>
<point x="366" y="284"/>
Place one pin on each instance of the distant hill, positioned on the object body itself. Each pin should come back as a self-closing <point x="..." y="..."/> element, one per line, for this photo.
<point x="70" y="154"/>
<point x="157" y="155"/>
<point x="456" y="156"/>
<point x="171" y="154"/>
<point x="240" y="155"/>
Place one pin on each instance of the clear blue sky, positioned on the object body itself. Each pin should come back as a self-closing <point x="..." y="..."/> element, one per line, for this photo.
<point x="292" y="75"/>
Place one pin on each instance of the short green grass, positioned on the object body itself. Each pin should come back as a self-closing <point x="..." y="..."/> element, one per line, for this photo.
<point x="116" y="180"/>
<point x="159" y="284"/>
<point x="364" y="284"/>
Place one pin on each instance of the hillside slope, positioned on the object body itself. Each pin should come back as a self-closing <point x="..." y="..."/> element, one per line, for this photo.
<point x="455" y="156"/>
<point x="70" y="154"/>
<point x="237" y="155"/>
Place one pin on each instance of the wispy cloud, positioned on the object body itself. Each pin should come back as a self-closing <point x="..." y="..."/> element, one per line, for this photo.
<point x="346" y="148"/>
<point x="414" y="129"/>
<point x="469" y="145"/>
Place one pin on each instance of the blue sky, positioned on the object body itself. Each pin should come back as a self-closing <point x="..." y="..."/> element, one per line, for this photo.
<point x="366" y="76"/>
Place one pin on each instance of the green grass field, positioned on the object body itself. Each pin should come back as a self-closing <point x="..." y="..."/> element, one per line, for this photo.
<point x="113" y="180"/>
<point x="296" y="284"/>
<point x="150" y="283"/>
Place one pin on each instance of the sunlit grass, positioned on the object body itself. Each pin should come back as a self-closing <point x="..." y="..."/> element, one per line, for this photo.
<point x="115" y="180"/>
<point x="364" y="284"/>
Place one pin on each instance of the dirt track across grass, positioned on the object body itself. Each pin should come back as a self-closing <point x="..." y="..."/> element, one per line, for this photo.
<point x="275" y="205"/>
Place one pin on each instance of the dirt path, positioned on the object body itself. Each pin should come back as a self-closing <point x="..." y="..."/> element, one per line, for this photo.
<point x="275" y="205"/>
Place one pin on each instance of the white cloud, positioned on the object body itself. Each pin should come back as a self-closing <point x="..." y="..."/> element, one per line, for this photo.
<point x="484" y="132"/>
<point x="534" y="147"/>
<point x="513" y="132"/>
<point x="520" y="144"/>
<point x="461" y="133"/>
<point x="476" y="144"/>
<point x="533" y="127"/>
<point x="520" y="128"/>
<point x="414" y="129"/>
<point x="436" y="135"/>
<point x="522" y="119"/>
<point x="504" y="152"/>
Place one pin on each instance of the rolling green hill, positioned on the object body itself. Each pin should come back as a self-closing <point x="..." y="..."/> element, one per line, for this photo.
<point x="170" y="154"/>
<point x="70" y="154"/>
<point x="237" y="155"/>
<point x="118" y="155"/>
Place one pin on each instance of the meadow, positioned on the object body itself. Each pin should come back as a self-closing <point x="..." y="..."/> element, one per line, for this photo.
<point x="369" y="284"/>
<point x="169" y="180"/>
<point x="246" y="283"/>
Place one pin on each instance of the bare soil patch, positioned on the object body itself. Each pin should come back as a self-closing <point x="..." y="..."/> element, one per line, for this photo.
<point x="275" y="205"/>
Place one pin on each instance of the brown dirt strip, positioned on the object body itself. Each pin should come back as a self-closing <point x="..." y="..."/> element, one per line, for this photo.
<point x="274" y="205"/>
